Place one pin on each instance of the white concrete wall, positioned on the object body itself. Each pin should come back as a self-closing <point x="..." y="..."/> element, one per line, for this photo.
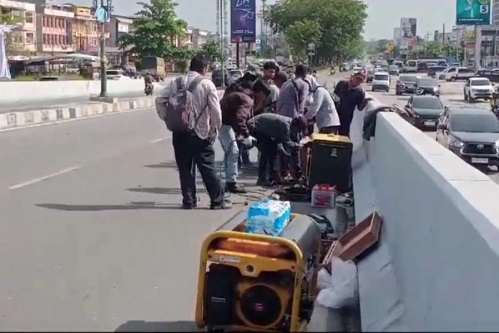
<point x="437" y="266"/>
<point x="14" y="91"/>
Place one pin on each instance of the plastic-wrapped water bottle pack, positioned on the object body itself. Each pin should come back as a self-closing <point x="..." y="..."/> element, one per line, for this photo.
<point x="268" y="217"/>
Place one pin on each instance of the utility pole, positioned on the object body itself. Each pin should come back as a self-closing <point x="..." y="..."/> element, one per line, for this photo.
<point x="103" y="15"/>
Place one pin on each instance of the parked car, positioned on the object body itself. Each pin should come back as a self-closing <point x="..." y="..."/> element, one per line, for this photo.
<point x="424" y="111"/>
<point x="433" y="70"/>
<point x="406" y="84"/>
<point x="441" y="75"/>
<point x="381" y="81"/>
<point x="478" y="88"/>
<point x="427" y="86"/>
<point x="459" y="73"/>
<point x="472" y="133"/>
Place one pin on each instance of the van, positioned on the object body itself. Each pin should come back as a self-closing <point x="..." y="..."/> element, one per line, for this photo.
<point x="381" y="81"/>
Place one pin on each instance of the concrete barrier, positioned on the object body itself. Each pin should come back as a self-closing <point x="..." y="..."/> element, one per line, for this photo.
<point x="16" y="91"/>
<point x="437" y="263"/>
<point x="51" y="116"/>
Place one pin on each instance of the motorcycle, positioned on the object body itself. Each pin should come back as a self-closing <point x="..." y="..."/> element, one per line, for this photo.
<point x="149" y="89"/>
<point x="333" y="71"/>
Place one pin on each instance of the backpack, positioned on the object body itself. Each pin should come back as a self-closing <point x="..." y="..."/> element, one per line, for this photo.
<point x="178" y="112"/>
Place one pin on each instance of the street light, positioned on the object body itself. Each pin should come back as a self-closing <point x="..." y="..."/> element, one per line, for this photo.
<point x="103" y="14"/>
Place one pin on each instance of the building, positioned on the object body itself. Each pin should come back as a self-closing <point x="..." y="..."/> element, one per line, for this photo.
<point x="495" y="12"/>
<point x="194" y="38"/>
<point x="118" y="27"/>
<point x="86" y="33"/>
<point x="23" y="40"/>
<point x="55" y="30"/>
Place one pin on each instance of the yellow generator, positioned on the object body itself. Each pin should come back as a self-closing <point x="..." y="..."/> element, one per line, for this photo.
<point x="258" y="283"/>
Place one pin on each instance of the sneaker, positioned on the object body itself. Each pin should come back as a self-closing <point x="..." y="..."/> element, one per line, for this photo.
<point x="226" y="204"/>
<point x="235" y="188"/>
<point x="188" y="206"/>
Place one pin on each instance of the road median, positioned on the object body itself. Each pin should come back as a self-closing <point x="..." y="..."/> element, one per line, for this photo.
<point x="60" y="114"/>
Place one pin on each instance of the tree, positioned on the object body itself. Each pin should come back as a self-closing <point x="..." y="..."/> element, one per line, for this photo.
<point x="300" y="34"/>
<point x="338" y="22"/>
<point x="156" y="30"/>
<point x="211" y="50"/>
<point x="11" y="48"/>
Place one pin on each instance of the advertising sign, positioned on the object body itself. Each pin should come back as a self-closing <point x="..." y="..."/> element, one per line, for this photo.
<point x="243" y="21"/>
<point x="473" y="12"/>
<point x="408" y="27"/>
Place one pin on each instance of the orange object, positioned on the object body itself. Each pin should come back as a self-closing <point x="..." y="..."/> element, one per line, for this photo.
<point x="254" y="247"/>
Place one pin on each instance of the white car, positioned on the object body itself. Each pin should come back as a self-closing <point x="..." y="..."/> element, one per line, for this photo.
<point x="381" y="81"/>
<point x="441" y="75"/>
<point x="459" y="73"/>
<point x="116" y="74"/>
<point x="478" y="88"/>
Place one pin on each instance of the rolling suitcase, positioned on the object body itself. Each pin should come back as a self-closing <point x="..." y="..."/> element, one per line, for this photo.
<point x="330" y="161"/>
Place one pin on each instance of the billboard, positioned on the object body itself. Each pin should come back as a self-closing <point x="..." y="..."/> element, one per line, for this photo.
<point x="243" y="21"/>
<point x="473" y="12"/>
<point x="397" y="32"/>
<point x="408" y="27"/>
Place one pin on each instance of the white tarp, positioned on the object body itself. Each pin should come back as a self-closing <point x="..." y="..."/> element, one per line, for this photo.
<point x="4" y="62"/>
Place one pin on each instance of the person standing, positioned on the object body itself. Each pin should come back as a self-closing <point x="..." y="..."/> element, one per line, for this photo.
<point x="237" y="108"/>
<point x="190" y="107"/>
<point x="322" y="110"/>
<point x="351" y="96"/>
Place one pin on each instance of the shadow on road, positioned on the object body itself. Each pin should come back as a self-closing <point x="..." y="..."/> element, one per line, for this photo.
<point x="158" y="326"/>
<point x="166" y="165"/>
<point x="96" y="208"/>
<point x="161" y="190"/>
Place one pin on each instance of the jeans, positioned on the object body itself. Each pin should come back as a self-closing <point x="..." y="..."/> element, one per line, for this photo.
<point x="268" y="157"/>
<point x="228" y="142"/>
<point x="191" y="151"/>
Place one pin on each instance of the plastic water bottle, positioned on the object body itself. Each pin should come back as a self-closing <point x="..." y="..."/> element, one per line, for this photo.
<point x="268" y="217"/>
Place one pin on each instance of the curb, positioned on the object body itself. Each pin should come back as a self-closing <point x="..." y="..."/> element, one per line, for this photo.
<point x="27" y="118"/>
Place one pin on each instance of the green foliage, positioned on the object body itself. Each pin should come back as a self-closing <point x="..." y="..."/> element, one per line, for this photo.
<point x="10" y="47"/>
<point x="300" y="34"/>
<point x="211" y="50"/>
<point x="156" y="30"/>
<point x="335" y="26"/>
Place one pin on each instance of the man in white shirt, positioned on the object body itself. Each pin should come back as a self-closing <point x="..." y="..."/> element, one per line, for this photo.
<point x="195" y="148"/>
<point x="323" y="110"/>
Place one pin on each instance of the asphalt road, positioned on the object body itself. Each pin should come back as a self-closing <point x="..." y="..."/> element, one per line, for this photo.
<point x="91" y="236"/>
<point x="451" y="94"/>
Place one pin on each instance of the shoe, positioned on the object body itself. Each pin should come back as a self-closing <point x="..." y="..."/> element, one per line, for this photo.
<point x="226" y="204"/>
<point x="263" y="183"/>
<point x="235" y="188"/>
<point x="188" y="206"/>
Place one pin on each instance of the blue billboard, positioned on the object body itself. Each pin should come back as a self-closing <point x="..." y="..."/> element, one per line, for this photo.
<point x="473" y="12"/>
<point x="243" y="21"/>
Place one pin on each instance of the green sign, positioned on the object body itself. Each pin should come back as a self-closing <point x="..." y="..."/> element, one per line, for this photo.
<point x="473" y="12"/>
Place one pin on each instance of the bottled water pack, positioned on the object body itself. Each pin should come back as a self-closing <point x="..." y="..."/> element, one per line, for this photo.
<point x="268" y="217"/>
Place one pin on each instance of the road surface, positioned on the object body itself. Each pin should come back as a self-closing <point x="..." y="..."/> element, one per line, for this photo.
<point x="91" y="236"/>
<point x="451" y="94"/>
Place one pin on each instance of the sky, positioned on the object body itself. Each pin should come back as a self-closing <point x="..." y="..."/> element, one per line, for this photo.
<point x="384" y="15"/>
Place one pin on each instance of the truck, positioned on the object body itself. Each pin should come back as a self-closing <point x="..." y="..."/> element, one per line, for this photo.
<point x="154" y="66"/>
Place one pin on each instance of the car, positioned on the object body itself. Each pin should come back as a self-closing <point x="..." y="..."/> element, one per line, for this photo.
<point x="116" y="74"/>
<point x="394" y="70"/>
<point x="433" y="70"/>
<point x="234" y="75"/>
<point x="427" y="86"/>
<point x="472" y="133"/>
<point x="406" y="84"/>
<point x="441" y="75"/>
<point x="219" y="78"/>
<point x="381" y="81"/>
<point x="478" y="88"/>
<point x="459" y="73"/>
<point x="370" y="75"/>
<point x="424" y="111"/>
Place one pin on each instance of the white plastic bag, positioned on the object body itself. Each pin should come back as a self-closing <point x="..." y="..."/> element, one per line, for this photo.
<point x="325" y="320"/>
<point x="323" y="279"/>
<point x="343" y="288"/>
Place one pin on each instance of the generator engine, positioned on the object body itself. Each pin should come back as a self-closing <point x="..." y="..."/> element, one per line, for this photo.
<point x="256" y="282"/>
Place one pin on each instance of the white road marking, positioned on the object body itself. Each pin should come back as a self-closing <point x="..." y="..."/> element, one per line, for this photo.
<point x="39" y="179"/>
<point x="69" y="120"/>
<point x="159" y="140"/>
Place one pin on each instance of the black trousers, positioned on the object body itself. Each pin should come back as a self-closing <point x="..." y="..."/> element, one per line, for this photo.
<point x="268" y="157"/>
<point x="191" y="152"/>
<point x="344" y="128"/>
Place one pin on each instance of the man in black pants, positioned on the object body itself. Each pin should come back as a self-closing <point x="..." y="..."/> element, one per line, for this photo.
<point x="195" y="148"/>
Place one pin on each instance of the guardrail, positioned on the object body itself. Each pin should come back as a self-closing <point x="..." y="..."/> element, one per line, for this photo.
<point x="437" y="263"/>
